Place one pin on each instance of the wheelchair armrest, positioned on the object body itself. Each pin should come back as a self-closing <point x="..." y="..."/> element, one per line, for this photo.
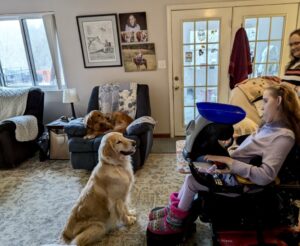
<point x="209" y="181"/>
<point x="243" y="180"/>
<point x="289" y="188"/>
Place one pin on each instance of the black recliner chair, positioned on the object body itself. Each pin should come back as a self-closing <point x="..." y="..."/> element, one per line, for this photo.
<point x="84" y="152"/>
<point x="13" y="152"/>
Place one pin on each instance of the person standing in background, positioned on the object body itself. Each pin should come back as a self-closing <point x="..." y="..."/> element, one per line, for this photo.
<point x="292" y="71"/>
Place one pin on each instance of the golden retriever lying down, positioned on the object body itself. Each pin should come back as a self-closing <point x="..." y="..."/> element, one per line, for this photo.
<point x="98" y="123"/>
<point x="104" y="200"/>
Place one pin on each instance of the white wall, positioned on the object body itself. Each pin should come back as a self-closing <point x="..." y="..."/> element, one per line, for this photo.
<point x="85" y="79"/>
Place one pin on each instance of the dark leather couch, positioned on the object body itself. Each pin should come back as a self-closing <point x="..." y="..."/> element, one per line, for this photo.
<point x="12" y="152"/>
<point x="84" y="152"/>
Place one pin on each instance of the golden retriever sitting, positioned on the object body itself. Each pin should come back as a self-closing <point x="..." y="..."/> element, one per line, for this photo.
<point x="96" y="124"/>
<point x="104" y="200"/>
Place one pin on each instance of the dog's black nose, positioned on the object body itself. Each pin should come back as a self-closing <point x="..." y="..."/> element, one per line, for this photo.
<point x="133" y="143"/>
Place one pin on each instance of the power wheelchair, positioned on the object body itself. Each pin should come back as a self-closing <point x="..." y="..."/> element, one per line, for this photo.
<point x="265" y="215"/>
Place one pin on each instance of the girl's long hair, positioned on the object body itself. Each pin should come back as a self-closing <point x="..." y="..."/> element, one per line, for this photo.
<point x="290" y="105"/>
<point x="294" y="59"/>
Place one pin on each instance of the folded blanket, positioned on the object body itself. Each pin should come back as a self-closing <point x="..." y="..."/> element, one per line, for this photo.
<point x="26" y="127"/>
<point x="140" y="125"/>
<point x="12" y="102"/>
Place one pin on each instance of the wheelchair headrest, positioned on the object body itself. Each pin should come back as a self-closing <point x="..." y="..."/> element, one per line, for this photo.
<point x="213" y="123"/>
<point x="220" y="112"/>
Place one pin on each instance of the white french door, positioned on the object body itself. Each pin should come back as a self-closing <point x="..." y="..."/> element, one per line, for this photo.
<point x="201" y="47"/>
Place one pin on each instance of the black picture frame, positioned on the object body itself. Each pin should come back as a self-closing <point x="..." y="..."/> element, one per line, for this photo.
<point x="99" y="39"/>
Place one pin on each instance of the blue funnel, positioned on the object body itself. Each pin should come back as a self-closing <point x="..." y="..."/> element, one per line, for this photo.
<point x="220" y="112"/>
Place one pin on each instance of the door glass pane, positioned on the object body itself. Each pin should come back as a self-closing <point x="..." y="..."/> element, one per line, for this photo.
<point x="189" y="96"/>
<point x="200" y="94"/>
<point x="212" y="94"/>
<point x="273" y="69"/>
<point x="261" y="52"/>
<point x="200" y="63"/>
<point x="188" y="54"/>
<point x="252" y="50"/>
<point x="41" y="54"/>
<point x="188" y="114"/>
<point x="213" y="54"/>
<point x="259" y="69"/>
<point x="200" y="75"/>
<point x="189" y="76"/>
<point x="201" y="31"/>
<point x="212" y="75"/>
<point x="263" y="28"/>
<point x="250" y="26"/>
<point x="277" y="27"/>
<point x="12" y="55"/>
<point x="274" y="51"/>
<point x="213" y="30"/>
<point x="201" y="54"/>
<point x="188" y="32"/>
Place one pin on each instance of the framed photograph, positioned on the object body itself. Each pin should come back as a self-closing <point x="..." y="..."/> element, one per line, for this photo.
<point x="99" y="38"/>
<point x="139" y="57"/>
<point x="133" y="27"/>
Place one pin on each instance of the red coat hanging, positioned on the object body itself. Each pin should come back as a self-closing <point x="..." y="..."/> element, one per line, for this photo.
<point x="240" y="60"/>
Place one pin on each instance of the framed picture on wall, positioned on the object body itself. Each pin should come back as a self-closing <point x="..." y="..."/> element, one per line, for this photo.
<point x="139" y="57"/>
<point x="133" y="27"/>
<point x="99" y="38"/>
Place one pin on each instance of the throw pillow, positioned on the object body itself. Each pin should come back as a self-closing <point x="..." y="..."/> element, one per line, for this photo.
<point x="127" y="102"/>
<point x="109" y="98"/>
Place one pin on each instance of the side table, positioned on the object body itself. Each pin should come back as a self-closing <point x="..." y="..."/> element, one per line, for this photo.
<point x="58" y="140"/>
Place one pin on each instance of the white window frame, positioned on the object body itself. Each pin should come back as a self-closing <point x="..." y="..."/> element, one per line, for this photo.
<point x="52" y="37"/>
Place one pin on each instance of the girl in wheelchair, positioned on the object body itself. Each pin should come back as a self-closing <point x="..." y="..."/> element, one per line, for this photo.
<point x="272" y="142"/>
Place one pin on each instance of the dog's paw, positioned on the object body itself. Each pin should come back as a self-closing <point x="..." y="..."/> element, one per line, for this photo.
<point x="89" y="136"/>
<point x="132" y="212"/>
<point x="130" y="220"/>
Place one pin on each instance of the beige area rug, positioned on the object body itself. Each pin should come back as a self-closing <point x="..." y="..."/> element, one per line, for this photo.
<point x="36" y="198"/>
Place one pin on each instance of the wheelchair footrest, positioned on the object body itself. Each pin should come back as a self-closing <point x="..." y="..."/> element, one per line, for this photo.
<point x="171" y="239"/>
<point x="156" y="239"/>
<point x="237" y="238"/>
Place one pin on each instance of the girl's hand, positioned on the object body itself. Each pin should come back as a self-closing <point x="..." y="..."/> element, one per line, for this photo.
<point x="220" y="160"/>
